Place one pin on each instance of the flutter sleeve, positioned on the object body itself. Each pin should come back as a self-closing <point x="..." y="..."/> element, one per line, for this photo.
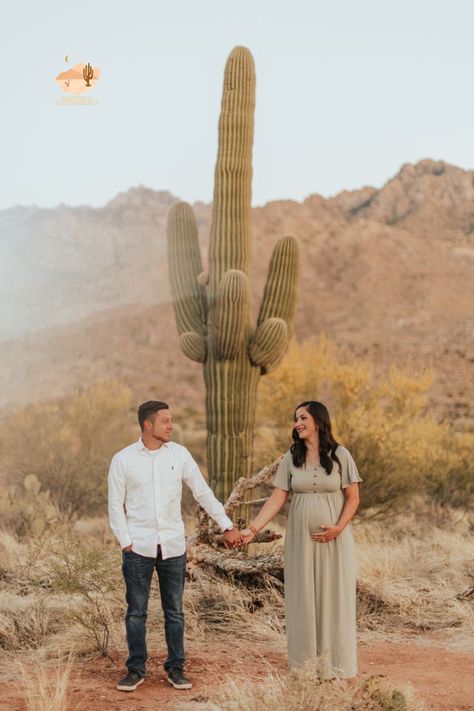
<point x="349" y="474"/>
<point x="282" y="478"/>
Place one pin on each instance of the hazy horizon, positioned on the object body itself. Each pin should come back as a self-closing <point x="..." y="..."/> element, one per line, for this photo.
<point x="209" y="202"/>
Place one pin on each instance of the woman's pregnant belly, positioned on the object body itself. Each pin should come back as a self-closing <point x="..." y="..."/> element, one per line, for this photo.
<point x="315" y="510"/>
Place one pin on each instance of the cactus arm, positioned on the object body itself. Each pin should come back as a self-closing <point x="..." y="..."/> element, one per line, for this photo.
<point x="269" y="344"/>
<point x="185" y="264"/>
<point x="275" y="320"/>
<point x="279" y="297"/>
<point x="232" y="314"/>
<point x="193" y="346"/>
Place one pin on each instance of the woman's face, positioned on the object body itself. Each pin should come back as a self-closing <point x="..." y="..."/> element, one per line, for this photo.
<point x="304" y="424"/>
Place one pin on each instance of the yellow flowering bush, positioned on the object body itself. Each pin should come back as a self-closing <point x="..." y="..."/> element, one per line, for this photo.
<point x="399" y="447"/>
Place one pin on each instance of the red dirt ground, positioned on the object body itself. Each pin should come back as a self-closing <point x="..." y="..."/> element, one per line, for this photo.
<point x="442" y="678"/>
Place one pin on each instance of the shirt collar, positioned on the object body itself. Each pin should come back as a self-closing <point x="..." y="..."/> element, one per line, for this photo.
<point x="142" y="448"/>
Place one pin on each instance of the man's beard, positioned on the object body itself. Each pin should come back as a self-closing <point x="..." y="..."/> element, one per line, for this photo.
<point x="164" y="440"/>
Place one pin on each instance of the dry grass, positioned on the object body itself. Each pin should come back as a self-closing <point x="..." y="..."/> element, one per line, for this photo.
<point x="302" y="690"/>
<point x="46" y="687"/>
<point x="218" y="606"/>
<point x="25" y="622"/>
<point x="411" y="572"/>
<point x="38" y="621"/>
<point x="12" y="553"/>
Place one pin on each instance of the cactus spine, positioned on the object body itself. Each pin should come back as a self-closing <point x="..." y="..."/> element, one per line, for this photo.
<point x="213" y="310"/>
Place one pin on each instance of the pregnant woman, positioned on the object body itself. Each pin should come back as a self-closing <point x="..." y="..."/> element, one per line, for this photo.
<point x="320" y="566"/>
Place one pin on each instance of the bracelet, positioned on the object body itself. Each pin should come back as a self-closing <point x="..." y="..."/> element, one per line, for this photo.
<point x="253" y="529"/>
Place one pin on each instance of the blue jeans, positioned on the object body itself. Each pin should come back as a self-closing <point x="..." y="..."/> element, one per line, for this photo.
<point x="138" y="573"/>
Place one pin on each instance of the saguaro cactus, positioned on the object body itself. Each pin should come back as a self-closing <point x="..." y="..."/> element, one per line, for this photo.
<point x="213" y="309"/>
<point x="88" y="74"/>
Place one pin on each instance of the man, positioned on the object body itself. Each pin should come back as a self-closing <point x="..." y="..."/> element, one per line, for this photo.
<point x="145" y="486"/>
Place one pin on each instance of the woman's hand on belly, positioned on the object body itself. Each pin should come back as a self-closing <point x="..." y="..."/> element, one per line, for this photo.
<point x="328" y="534"/>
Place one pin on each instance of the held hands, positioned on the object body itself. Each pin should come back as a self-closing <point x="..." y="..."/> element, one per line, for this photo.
<point x="327" y="535"/>
<point x="247" y="535"/>
<point x="236" y="539"/>
<point x="233" y="538"/>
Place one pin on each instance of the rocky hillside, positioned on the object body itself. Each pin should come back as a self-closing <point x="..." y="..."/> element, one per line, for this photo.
<point x="387" y="272"/>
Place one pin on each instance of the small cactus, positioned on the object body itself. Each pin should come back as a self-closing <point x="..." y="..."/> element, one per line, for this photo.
<point x="88" y="74"/>
<point x="213" y="309"/>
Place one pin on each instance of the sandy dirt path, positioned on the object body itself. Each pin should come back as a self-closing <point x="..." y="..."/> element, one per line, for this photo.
<point x="442" y="677"/>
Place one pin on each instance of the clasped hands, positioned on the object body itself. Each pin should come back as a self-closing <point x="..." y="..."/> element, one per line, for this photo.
<point x="236" y="539"/>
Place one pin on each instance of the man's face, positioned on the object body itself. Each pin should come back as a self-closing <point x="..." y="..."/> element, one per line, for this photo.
<point x="161" y="427"/>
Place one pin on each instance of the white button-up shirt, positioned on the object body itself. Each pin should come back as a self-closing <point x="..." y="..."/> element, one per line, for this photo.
<point x="145" y="490"/>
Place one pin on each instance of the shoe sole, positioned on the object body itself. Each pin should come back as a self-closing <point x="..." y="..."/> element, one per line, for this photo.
<point x="180" y="686"/>
<point x="129" y="688"/>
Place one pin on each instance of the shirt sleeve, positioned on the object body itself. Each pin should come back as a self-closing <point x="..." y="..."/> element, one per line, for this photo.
<point x="117" y="489"/>
<point x="282" y="478"/>
<point x="203" y="494"/>
<point x="349" y="474"/>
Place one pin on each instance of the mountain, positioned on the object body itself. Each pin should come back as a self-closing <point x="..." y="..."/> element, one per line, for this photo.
<point x="59" y="265"/>
<point x="387" y="272"/>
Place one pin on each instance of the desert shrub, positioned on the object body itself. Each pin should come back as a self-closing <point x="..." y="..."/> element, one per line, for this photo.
<point x="452" y="484"/>
<point x="302" y="690"/>
<point x="67" y="444"/>
<point x="90" y="576"/>
<point x="26" y="510"/>
<point x="399" y="447"/>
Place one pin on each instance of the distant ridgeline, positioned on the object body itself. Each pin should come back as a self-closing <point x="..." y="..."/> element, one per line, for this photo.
<point x="387" y="272"/>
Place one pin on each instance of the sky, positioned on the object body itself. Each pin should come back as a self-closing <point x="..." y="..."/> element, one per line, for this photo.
<point x="347" y="92"/>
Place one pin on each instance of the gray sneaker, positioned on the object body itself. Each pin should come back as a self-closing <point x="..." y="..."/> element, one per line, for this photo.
<point x="130" y="682"/>
<point x="178" y="680"/>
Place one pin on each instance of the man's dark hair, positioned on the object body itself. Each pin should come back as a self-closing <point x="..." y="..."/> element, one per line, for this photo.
<point x="147" y="410"/>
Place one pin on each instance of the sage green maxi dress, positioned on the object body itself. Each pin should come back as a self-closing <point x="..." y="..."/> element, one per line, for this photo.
<point x="320" y="578"/>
